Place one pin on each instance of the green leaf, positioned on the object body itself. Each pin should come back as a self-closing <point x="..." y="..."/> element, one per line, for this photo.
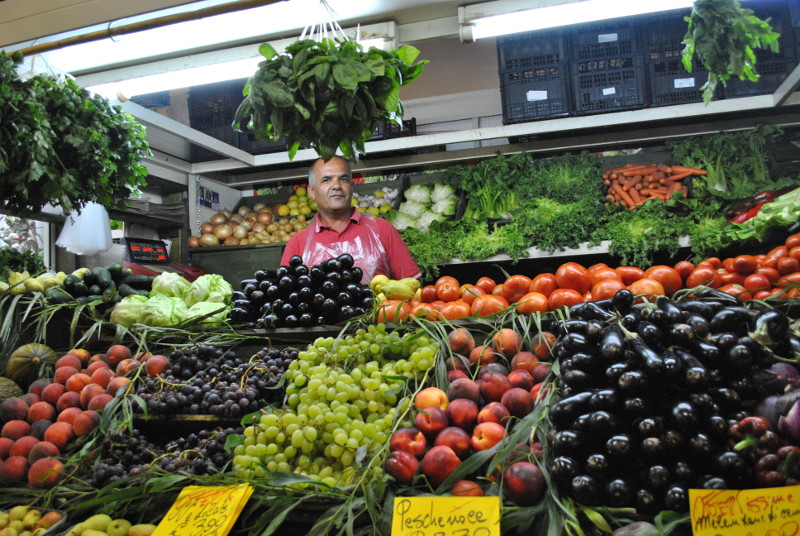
<point x="407" y="54"/>
<point x="279" y="93"/>
<point x="348" y="73"/>
<point x="267" y="50"/>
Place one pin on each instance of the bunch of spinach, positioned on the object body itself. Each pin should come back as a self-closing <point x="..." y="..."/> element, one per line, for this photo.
<point x="723" y="34"/>
<point x="326" y="94"/>
<point x="63" y="146"/>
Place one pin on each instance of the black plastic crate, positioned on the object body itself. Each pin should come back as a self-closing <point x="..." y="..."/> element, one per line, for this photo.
<point x="247" y="141"/>
<point x="610" y="39"/>
<point x="385" y="130"/>
<point x="531" y="50"/>
<point x="533" y="93"/>
<point x="223" y="133"/>
<point x="608" y="84"/>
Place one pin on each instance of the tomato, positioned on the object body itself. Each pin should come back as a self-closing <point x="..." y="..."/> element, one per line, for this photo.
<point x="778" y="252"/>
<point x="770" y="273"/>
<point x="669" y="278"/>
<point x="486" y="284"/>
<point x="564" y="297"/>
<point x="516" y="287"/>
<point x="428" y="294"/>
<point x="793" y="241"/>
<point x="790" y="279"/>
<point x="607" y="288"/>
<point x="702" y="275"/>
<point x="470" y="292"/>
<point x="573" y="276"/>
<point x="392" y="311"/>
<point x="795" y="253"/>
<point x="647" y="286"/>
<point x="587" y="297"/>
<point x="629" y="274"/>
<point x="447" y="279"/>
<point x="762" y="294"/>
<point x="426" y="310"/>
<point x="456" y="309"/>
<point x="599" y="266"/>
<point x="727" y="264"/>
<point x="603" y="273"/>
<point x="714" y="262"/>
<point x="793" y="293"/>
<point x="728" y="278"/>
<point x="736" y="290"/>
<point x="684" y="268"/>
<point x="756" y="282"/>
<point x="543" y="284"/>
<point x="533" y="302"/>
<point x="438" y="304"/>
<point x="489" y="304"/>
<point x="788" y="265"/>
<point x="497" y="290"/>
<point x="447" y="291"/>
<point x="744" y="264"/>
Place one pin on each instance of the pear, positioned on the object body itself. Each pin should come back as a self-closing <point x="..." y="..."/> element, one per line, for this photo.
<point x="118" y="527"/>
<point x="18" y="512"/>
<point x="75" y="530"/>
<point x="32" y="517"/>
<point x="39" y="531"/>
<point x="16" y="525"/>
<point x="8" y="531"/>
<point x="97" y="522"/>
<point x="142" y="529"/>
<point x="4" y="519"/>
<point x="25" y="533"/>
<point x="93" y="532"/>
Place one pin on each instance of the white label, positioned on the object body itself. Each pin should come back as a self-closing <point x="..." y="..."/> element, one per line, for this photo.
<point x="609" y="91"/>
<point x="536" y="95"/>
<point x="607" y="38"/>
<point x="683" y="83"/>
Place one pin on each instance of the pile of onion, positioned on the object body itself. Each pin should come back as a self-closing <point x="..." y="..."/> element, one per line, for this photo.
<point x="226" y="228"/>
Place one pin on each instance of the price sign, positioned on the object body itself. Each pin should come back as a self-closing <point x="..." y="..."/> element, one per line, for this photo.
<point x="749" y="512"/>
<point x="446" y="516"/>
<point x="204" y="511"/>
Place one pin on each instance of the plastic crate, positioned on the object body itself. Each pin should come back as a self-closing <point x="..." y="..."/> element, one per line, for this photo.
<point x="223" y="133"/>
<point x="247" y="141"/>
<point x="532" y="93"/>
<point x="608" y="85"/>
<point x="531" y="50"/>
<point x="617" y="38"/>
<point x="385" y="130"/>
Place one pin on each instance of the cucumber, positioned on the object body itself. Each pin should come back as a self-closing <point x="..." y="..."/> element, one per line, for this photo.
<point x="80" y="289"/>
<point x="88" y="299"/>
<point x="57" y="295"/>
<point x="141" y="282"/>
<point x="103" y="276"/>
<point x="89" y="278"/>
<point x="115" y="270"/>
<point x="110" y="293"/>
<point x="69" y="283"/>
<point x="127" y="290"/>
<point x="95" y="289"/>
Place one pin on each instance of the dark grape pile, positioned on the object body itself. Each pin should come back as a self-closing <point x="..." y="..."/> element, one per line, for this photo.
<point x="210" y="381"/>
<point x="135" y="455"/>
<point x="299" y="296"/>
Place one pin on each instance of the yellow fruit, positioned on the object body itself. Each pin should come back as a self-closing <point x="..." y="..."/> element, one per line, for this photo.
<point x="379" y="194"/>
<point x="292" y="198"/>
<point x="384" y="208"/>
<point x="305" y="209"/>
<point x="377" y="283"/>
<point x="294" y="211"/>
<point x="3" y="286"/>
<point x="283" y="210"/>
<point x="292" y="203"/>
<point x="398" y="290"/>
<point x="353" y="202"/>
<point x="374" y="211"/>
<point x="412" y="283"/>
<point x="301" y="192"/>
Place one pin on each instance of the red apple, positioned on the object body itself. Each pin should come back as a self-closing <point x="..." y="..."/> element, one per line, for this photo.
<point x="463" y="413"/>
<point x="401" y="465"/>
<point x="431" y="396"/>
<point x="430" y="421"/>
<point x="493" y="385"/>
<point x="464" y="388"/>
<point x="487" y="434"/>
<point x="521" y="378"/>
<point x="518" y="401"/>
<point x="523" y="483"/>
<point x="494" y="412"/>
<point x="410" y="440"/>
<point x="455" y="438"/>
<point x="438" y="463"/>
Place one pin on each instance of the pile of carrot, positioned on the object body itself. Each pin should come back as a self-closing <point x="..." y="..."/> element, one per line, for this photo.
<point x="634" y="184"/>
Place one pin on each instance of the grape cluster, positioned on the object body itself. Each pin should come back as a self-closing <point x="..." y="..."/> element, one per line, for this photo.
<point x="226" y="386"/>
<point x="344" y="396"/>
<point x="135" y="455"/>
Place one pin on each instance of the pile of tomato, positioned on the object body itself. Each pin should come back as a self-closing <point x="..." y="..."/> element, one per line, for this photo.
<point x="774" y="274"/>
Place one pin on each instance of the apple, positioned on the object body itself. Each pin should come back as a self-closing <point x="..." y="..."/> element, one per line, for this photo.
<point x="494" y="412"/>
<point x="487" y="434"/>
<point x="463" y="413"/>
<point x="523" y="483"/>
<point x="466" y="488"/>
<point x="431" y="396"/>
<point x="492" y="386"/>
<point x="518" y="401"/>
<point x="438" y="463"/>
<point x="455" y="438"/>
<point x="521" y="378"/>
<point x="464" y="388"/>
<point x="401" y="465"/>
<point x="409" y="439"/>
<point x="430" y="421"/>
<point x="524" y="360"/>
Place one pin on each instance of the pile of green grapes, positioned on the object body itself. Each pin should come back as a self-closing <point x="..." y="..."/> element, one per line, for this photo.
<point x="344" y="397"/>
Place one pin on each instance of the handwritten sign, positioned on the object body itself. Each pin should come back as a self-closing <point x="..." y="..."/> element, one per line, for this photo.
<point x="204" y="511"/>
<point x="751" y="512"/>
<point x="446" y="516"/>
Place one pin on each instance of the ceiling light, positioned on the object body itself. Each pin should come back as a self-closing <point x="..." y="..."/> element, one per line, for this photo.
<point x="510" y="16"/>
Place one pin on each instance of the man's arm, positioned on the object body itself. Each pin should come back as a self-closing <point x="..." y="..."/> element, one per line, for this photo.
<point x="400" y="260"/>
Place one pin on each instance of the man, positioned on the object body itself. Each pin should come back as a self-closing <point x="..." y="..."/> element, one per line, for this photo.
<point x="338" y="228"/>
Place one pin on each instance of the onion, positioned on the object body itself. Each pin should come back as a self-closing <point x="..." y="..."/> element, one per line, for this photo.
<point x="209" y="239"/>
<point x="258" y="206"/>
<point x="219" y="218"/>
<point x="194" y="242"/>
<point x="243" y="210"/>
<point x="247" y="224"/>
<point x="236" y="218"/>
<point x="223" y="231"/>
<point x="265" y="218"/>
<point x="206" y="227"/>
<point x="265" y="209"/>
<point x="240" y="231"/>
<point x="231" y="241"/>
<point x="259" y="227"/>
<point x="227" y="213"/>
<point x="251" y="214"/>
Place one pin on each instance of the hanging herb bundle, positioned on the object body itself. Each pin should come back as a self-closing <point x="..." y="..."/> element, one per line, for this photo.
<point x="61" y="145"/>
<point x="724" y="35"/>
<point x="326" y="94"/>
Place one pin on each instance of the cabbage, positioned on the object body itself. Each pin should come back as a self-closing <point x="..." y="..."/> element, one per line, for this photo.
<point x="209" y="287"/>
<point x="217" y="312"/>
<point x="426" y="219"/>
<point x="400" y="220"/>
<point x="446" y="207"/>
<point x="419" y="193"/>
<point x="170" y="284"/>
<point x="412" y="208"/>
<point x="441" y="192"/>
<point x="160" y="310"/>
<point x="128" y="311"/>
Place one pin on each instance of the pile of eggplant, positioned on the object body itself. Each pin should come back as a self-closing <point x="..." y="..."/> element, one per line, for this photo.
<point x="655" y="397"/>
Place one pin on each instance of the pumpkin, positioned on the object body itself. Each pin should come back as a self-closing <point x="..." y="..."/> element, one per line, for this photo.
<point x="24" y="364"/>
<point x="9" y="389"/>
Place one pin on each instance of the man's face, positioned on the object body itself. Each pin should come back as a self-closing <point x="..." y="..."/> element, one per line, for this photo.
<point x="333" y="188"/>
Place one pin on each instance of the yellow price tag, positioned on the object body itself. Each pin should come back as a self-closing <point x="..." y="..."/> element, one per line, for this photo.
<point x="204" y="511"/>
<point x="446" y="516"/>
<point x="747" y="512"/>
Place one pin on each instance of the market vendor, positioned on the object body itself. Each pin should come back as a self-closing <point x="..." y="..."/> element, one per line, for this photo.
<point x="376" y="246"/>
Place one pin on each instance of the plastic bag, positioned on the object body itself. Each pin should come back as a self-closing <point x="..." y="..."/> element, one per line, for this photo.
<point x="86" y="233"/>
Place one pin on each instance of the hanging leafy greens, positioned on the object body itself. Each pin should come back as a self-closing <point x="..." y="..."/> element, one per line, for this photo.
<point x="723" y="34"/>
<point x="326" y="94"/>
<point x="63" y="146"/>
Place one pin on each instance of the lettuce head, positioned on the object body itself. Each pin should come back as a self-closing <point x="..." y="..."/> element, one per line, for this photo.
<point x="160" y="310"/>
<point x="170" y="284"/>
<point x="208" y="288"/>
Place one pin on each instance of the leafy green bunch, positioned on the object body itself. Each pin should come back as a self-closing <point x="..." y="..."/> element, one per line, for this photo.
<point x="63" y="146"/>
<point x="20" y="261"/>
<point x="326" y="94"/>
<point x="723" y="34"/>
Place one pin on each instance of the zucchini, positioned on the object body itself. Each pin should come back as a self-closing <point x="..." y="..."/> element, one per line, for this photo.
<point x="110" y="293"/>
<point x="141" y="282"/>
<point x="80" y="289"/>
<point x="89" y="278"/>
<point x="115" y="270"/>
<point x="103" y="276"/>
<point x="127" y="290"/>
<point x="57" y="295"/>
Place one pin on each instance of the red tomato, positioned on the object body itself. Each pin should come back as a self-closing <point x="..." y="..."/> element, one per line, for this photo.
<point x="760" y="259"/>
<point x="736" y="290"/>
<point x="756" y="282"/>
<point x="488" y="304"/>
<point x="438" y="304"/>
<point x="470" y="292"/>
<point x="607" y="288"/>
<point x="603" y="273"/>
<point x="428" y="294"/>
<point x="426" y="310"/>
<point x="516" y="287"/>
<point x="647" y="286"/>
<point x="392" y="311"/>
<point x="789" y="279"/>
<point x="573" y="276"/>
<point x="448" y="291"/>
<point x="795" y="253"/>
<point x="564" y="297"/>
<point x="762" y="294"/>
<point x="684" y="268"/>
<point x="497" y="290"/>
<point x="629" y="274"/>
<point x="770" y="273"/>
<point x="544" y="284"/>
<point x="456" y="309"/>
<point x="744" y="264"/>
<point x="788" y="265"/>
<point x="778" y="252"/>
<point x="669" y="278"/>
<point x="727" y="264"/>
<point x="702" y="275"/>
<point x="486" y="284"/>
<point x="714" y="262"/>
<point x="599" y="266"/>
<point x="793" y="241"/>
<point x="728" y="278"/>
<point x="533" y="302"/>
<point x="588" y="296"/>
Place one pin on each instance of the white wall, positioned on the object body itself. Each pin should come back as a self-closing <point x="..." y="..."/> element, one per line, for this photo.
<point x="228" y="198"/>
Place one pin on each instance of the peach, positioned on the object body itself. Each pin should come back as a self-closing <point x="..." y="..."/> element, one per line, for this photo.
<point x="401" y="465"/>
<point x="16" y="429"/>
<point x="5" y="447"/>
<point x="52" y="392"/>
<point x="521" y="378"/>
<point x="23" y="446"/>
<point x="31" y="398"/>
<point x="410" y="440"/>
<point x="463" y="413"/>
<point x="540" y="371"/>
<point x="89" y="392"/>
<point x="457" y="362"/>
<point x="126" y="366"/>
<point x="507" y="342"/>
<point x="102" y="377"/>
<point x="59" y="434"/>
<point x="524" y="360"/>
<point x="100" y="401"/>
<point x="86" y="422"/>
<point x="14" y="408"/>
<point x="453" y="375"/>
<point x="430" y="421"/>
<point x="42" y="449"/>
<point x="39" y="428"/>
<point x="431" y="396"/>
<point x="119" y="384"/>
<point x="62" y="374"/>
<point x="69" y="414"/>
<point x="70" y="399"/>
<point x="455" y="438"/>
<point x="95" y="366"/>
<point x="482" y="355"/>
<point x="156" y="365"/>
<point x="41" y="411"/>
<point x="494" y="412"/>
<point x="464" y="388"/>
<point x="461" y="341"/>
<point x="438" y="463"/>
<point x="14" y="469"/>
<point x="518" y="401"/>
<point x="523" y="483"/>
<point x="95" y="358"/>
<point x="117" y="354"/>
<point x="78" y="381"/>
<point x="38" y="386"/>
<point x="82" y="354"/>
<point x="487" y="434"/>
<point x="493" y="385"/>
<point x="492" y="367"/>
<point x="542" y="345"/>
<point x="45" y="473"/>
<point x="466" y="488"/>
<point x="69" y="360"/>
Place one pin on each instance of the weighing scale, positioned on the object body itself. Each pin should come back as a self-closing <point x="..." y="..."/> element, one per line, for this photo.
<point x="149" y="257"/>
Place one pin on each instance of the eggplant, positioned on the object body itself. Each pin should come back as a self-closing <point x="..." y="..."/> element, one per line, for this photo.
<point x="633" y="382"/>
<point x="660" y="318"/>
<point x="562" y="470"/>
<point x="683" y="472"/>
<point x="564" y="411"/>
<point x="619" y="446"/>
<point x="771" y="326"/>
<point x="650" y="334"/>
<point x="629" y="321"/>
<point x="602" y="423"/>
<point x="732" y="318"/>
<point x="571" y="326"/>
<point x="618" y="493"/>
<point x="698" y="323"/>
<point x="685" y="416"/>
<point x="657" y="477"/>
<point x="586" y="490"/>
<point x="709" y="354"/>
<point x="779" y="377"/>
<point x="622" y="301"/>
<point x="568" y="443"/>
<point x="649" y="427"/>
<point x="615" y="370"/>
<point x="612" y="346"/>
<point x="672" y="311"/>
<point x="680" y="334"/>
<point x="701" y="444"/>
<point x="604" y="399"/>
<point x="646" y="501"/>
<point x="635" y="408"/>
<point x="598" y="466"/>
<point x="251" y="281"/>
<point x="674" y="441"/>
<point x="590" y="311"/>
<point x="577" y="379"/>
<point x="653" y="447"/>
<point x="787" y="415"/>
<point x="583" y="361"/>
<point x="676" y="498"/>
<point x="576" y="342"/>
<point x="702" y="308"/>
<point x="652" y="360"/>
<point x="730" y="465"/>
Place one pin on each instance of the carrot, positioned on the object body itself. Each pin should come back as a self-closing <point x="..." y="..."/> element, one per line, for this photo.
<point x="630" y="167"/>
<point x="659" y="175"/>
<point x="664" y="168"/>
<point x="634" y="193"/>
<point x="614" y="175"/>
<point x="679" y="176"/>
<point x="640" y="171"/>
<point x="673" y="187"/>
<point x="622" y="181"/>
<point x="623" y="195"/>
<point x="685" y="191"/>
<point x="632" y="182"/>
<point x="652" y="191"/>
<point x="684" y="169"/>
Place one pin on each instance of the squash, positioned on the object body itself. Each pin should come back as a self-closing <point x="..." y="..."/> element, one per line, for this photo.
<point x="24" y="364"/>
<point x="9" y="389"/>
